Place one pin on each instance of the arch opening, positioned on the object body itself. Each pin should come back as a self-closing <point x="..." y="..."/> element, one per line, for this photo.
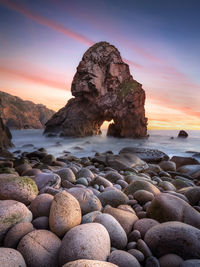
<point x="105" y="125"/>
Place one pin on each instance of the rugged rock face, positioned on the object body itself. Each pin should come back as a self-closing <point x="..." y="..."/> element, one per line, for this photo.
<point x="5" y="136"/>
<point x="104" y="90"/>
<point x="19" y="114"/>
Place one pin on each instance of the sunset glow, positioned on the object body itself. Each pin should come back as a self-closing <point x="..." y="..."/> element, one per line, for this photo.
<point x="40" y="50"/>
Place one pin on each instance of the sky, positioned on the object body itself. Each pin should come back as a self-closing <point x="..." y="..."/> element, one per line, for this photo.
<point x="42" y="42"/>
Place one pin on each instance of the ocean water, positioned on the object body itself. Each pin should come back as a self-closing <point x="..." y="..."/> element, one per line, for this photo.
<point x="30" y="140"/>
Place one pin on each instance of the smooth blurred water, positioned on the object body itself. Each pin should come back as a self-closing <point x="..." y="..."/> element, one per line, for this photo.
<point x="87" y="146"/>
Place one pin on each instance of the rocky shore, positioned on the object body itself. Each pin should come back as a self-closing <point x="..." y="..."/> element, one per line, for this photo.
<point x="136" y="208"/>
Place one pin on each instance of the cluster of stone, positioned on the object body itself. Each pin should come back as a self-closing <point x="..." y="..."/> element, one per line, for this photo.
<point x="107" y="210"/>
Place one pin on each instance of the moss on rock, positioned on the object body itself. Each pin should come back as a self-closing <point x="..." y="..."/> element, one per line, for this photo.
<point x="6" y="170"/>
<point x="128" y="86"/>
<point x="11" y="220"/>
<point x="27" y="182"/>
<point x="22" y="189"/>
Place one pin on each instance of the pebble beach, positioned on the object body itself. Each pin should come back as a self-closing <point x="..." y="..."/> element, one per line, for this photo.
<point x="106" y="210"/>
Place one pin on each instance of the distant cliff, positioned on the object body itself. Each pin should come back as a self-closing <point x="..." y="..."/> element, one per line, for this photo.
<point x="19" y="114"/>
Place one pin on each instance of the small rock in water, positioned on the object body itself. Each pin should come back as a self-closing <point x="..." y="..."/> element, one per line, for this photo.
<point x="183" y="134"/>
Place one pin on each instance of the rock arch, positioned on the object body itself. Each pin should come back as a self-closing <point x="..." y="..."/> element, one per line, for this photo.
<point x="103" y="90"/>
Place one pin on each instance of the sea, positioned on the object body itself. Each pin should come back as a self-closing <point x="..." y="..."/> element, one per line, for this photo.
<point x="164" y="140"/>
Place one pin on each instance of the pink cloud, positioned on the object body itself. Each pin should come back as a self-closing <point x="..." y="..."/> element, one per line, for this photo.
<point x="47" y="22"/>
<point x="34" y="78"/>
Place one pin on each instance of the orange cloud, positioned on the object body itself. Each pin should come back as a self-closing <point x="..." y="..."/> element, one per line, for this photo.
<point x="164" y="109"/>
<point x="34" y="78"/>
<point x="47" y="22"/>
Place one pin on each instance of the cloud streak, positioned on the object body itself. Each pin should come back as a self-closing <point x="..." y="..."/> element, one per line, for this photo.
<point x="34" y="78"/>
<point x="47" y="22"/>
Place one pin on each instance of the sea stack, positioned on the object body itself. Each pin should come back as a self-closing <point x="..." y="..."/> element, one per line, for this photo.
<point x="5" y="136"/>
<point x="103" y="90"/>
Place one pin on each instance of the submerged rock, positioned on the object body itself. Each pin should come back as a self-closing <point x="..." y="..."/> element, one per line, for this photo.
<point x="104" y="90"/>
<point x="183" y="134"/>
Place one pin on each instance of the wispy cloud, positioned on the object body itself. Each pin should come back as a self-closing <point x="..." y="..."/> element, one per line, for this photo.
<point x="47" y="22"/>
<point x="34" y="78"/>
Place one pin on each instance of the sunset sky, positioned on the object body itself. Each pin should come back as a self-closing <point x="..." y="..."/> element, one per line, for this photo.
<point x="42" y="42"/>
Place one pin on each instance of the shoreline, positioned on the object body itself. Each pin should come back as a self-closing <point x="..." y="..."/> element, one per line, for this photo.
<point x="87" y="146"/>
<point x="127" y="206"/>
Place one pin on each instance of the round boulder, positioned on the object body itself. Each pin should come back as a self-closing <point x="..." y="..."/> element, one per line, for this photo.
<point x="86" y="198"/>
<point x="101" y="181"/>
<point x="47" y="179"/>
<point x="41" y="223"/>
<point x="87" y="241"/>
<point x="15" y="234"/>
<point x="89" y="263"/>
<point x="193" y="195"/>
<point x="143" y="196"/>
<point x="11" y="258"/>
<point x="167" y="186"/>
<point x="141" y="185"/>
<point x="11" y="213"/>
<point x="166" y="207"/>
<point x="86" y="173"/>
<point x="113" y="176"/>
<point x="23" y="168"/>
<point x="117" y="234"/>
<point x="22" y="189"/>
<point x="89" y="217"/>
<point x="123" y="259"/>
<point x="124" y="217"/>
<point x="174" y="237"/>
<point x="171" y="260"/>
<point x="65" y="213"/>
<point x="40" y="248"/>
<point x="40" y="206"/>
<point x="143" y="225"/>
<point x="168" y="165"/>
<point x="66" y="174"/>
<point x="113" y="198"/>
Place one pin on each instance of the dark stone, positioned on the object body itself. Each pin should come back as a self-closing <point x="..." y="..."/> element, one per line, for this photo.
<point x="146" y="154"/>
<point x="183" y="134"/>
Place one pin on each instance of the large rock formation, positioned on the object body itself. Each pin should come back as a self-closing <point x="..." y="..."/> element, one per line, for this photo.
<point x="19" y="114"/>
<point x="5" y="136"/>
<point x="104" y="90"/>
